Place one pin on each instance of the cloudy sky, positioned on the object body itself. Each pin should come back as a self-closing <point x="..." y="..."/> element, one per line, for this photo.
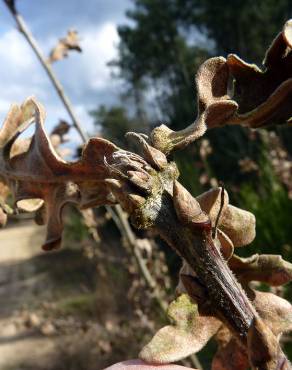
<point x="86" y="77"/>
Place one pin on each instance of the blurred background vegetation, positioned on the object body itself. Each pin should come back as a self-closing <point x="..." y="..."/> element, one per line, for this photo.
<point x="160" y="49"/>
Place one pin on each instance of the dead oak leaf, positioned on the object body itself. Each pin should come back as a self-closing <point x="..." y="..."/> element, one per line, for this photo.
<point x="188" y="334"/>
<point x="191" y="330"/>
<point x="36" y="172"/>
<point x="213" y="104"/>
<point x="266" y="268"/>
<point x="258" y="97"/>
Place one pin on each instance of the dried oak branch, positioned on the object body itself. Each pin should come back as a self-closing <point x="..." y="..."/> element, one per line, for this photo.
<point x="146" y="187"/>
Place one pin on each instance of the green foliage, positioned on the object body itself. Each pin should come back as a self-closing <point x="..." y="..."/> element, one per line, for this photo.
<point x="80" y="304"/>
<point x="155" y="54"/>
<point x="230" y="145"/>
<point x="75" y="229"/>
<point x="154" y="34"/>
<point x="273" y="211"/>
<point x="189" y="172"/>
<point x="242" y="27"/>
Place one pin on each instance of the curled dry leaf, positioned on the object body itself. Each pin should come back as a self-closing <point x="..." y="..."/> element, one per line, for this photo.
<point x="58" y="137"/>
<point x="153" y="156"/>
<point x="213" y="104"/>
<point x="188" y="208"/>
<point x="237" y="224"/>
<point x="231" y="356"/>
<point x="275" y="311"/>
<point x="263" y="349"/>
<point x="266" y="268"/>
<point x="191" y="330"/>
<point x="264" y="97"/>
<point x="259" y="97"/>
<point x="134" y="178"/>
<point x="66" y="44"/>
<point x="37" y="172"/>
<point x="188" y="334"/>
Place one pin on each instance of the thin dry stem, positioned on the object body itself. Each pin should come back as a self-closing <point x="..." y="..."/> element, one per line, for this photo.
<point x="117" y="214"/>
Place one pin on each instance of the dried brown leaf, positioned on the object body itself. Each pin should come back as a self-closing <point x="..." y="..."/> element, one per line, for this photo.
<point x="275" y="311"/>
<point x="231" y="356"/>
<point x="238" y="225"/>
<point x="210" y="202"/>
<point x="259" y="97"/>
<point x="58" y="137"/>
<point x="264" y="97"/>
<point x="187" y="208"/>
<point x="66" y="44"/>
<point x="188" y="334"/>
<point x="153" y="156"/>
<point x="39" y="173"/>
<point x="235" y="224"/>
<point x="61" y="129"/>
<point x="266" y="268"/>
<point x="213" y="104"/>
<point x="263" y="347"/>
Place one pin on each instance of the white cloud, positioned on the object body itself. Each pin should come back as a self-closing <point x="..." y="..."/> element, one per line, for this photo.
<point x="85" y="76"/>
<point x="20" y="74"/>
<point x="100" y="48"/>
<point x="14" y="50"/>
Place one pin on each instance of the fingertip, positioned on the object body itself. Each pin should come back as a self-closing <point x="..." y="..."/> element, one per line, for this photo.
<point x="140" y="365"/>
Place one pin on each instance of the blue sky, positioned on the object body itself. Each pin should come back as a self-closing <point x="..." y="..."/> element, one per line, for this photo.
<point x="86" y="77"/>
